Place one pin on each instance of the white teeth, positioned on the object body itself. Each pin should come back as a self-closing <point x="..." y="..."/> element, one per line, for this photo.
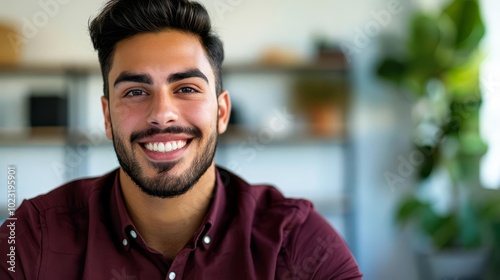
<point x="165" y="147"/>
<point x="181" y="144"/>
<point x="161" y="148"/>
<point x="168" y="147"/>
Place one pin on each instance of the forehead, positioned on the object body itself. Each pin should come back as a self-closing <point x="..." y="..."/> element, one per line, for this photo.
<point x="160" y="52"/>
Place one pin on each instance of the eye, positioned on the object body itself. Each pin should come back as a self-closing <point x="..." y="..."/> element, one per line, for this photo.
<point x="135" y="92"/>
<point x="187" y="90"/>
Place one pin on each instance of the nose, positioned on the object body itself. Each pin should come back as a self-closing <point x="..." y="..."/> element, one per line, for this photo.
<point x="162" y="110"/>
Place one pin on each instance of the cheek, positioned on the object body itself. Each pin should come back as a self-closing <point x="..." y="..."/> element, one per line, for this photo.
<point x="123" y="119"/>
<point x="202" y="115"/>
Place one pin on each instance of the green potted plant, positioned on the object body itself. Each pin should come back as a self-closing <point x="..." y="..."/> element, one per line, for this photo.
<point x="440" y="69"/>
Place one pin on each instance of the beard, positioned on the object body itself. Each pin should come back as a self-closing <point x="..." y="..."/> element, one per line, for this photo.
<point x="163" y="184"/>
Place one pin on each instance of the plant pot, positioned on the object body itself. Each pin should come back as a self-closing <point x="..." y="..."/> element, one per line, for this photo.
<point x="459" y="264"/>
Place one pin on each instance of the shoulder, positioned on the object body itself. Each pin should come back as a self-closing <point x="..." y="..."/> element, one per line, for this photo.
<point x="271" y="211"/>
<point x="73" y="195"/>
<point x="315" y="250"/>
<point x="65" y="209"/>
<point x="310" y="247"/>
<point x="72" y="198"/>
<point x="55" y="215"/>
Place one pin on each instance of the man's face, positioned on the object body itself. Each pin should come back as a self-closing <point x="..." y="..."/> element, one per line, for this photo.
<point x="163" y="113"/>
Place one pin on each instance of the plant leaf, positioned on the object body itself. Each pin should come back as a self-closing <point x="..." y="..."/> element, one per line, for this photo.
<point x="392" y="69"/>
<point x="467" y="18"/>
<point x="408" y="209"/>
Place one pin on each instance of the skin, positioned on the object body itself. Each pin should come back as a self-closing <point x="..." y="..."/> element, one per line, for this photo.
<point x="190" y="102"/>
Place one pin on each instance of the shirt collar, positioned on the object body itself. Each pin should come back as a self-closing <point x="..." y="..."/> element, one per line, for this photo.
<point x="207" y="233"/>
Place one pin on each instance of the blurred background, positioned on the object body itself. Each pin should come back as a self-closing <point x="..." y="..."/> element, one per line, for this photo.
<point x="381" y="112"/>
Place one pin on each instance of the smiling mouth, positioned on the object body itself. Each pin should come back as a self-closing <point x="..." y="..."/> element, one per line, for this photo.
<point x="165" y="147"/>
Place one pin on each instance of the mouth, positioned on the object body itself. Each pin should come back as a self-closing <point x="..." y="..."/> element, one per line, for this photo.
<point x="158" y="150"/>
<point x="165" y="147"/>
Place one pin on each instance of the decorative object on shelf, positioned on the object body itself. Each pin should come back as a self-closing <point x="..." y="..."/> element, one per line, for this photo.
<point x="10" y="52"/>
<point x="330" y="54"/>
<point x="323" y="101"/>
<point x="440" y="69"/>
<point x="48" y="114"/>
<point x="280" y="56"/>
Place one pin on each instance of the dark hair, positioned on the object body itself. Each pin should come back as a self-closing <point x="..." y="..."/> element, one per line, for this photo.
<point x="122" y="19"/>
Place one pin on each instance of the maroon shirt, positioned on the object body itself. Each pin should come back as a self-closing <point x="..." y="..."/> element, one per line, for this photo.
<point x="82" y="231"/>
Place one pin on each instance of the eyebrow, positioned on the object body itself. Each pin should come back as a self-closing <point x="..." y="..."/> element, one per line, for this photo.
<point x="134" y="78"/>
<point x="142" y="78"/>
<point x="190" y="73"/>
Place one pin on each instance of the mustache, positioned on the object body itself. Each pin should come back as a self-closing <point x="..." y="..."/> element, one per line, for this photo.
<point x="191" y="131"/>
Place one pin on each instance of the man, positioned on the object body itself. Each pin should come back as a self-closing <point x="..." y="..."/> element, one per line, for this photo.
<point x="168" y="212"/>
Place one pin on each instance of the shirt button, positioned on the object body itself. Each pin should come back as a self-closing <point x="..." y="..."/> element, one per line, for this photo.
<point x="133" y="234"/>
<point x="171" y="276"/>
<point x="207" y="239"/>
<point x="125" y="242"/>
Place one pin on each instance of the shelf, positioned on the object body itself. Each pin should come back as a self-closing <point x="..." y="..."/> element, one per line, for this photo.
<point x="294" y="68"/>
<point x="20" y="140"/>
<point x="238" y="134"/>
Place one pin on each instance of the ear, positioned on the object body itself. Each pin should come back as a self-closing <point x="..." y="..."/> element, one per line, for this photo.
<point x="224" y="102"/>
<point x="107" y="117"/>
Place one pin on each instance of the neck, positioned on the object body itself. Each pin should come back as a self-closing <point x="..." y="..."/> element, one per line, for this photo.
<point x="167" y="224"/>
